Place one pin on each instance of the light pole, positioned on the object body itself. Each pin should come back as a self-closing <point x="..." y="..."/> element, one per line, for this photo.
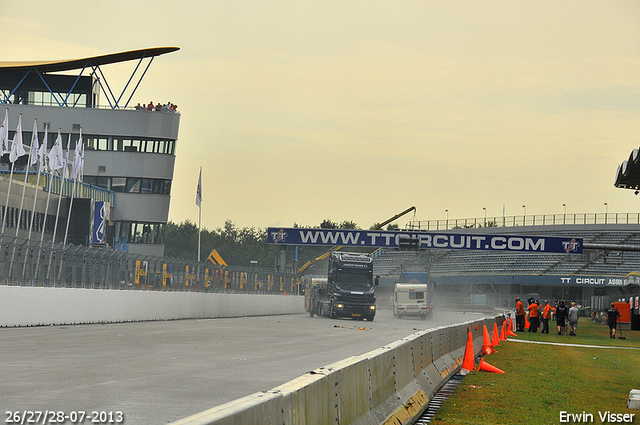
<point x="564" y="216"/>
<point x="606" y="211"/>
<point x="485" y="216"/>
<point x="524" y="215"/>
<point x="447" y="213"/>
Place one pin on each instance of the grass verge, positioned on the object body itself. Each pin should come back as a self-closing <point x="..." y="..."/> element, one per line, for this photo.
<point x="540" y="380"/>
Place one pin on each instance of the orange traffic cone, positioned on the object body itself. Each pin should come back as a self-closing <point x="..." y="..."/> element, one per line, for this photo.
<point x="487" y="347"/>
<point x="503" y="331"/>
<point x="486" y="367"/>
<point x="469" y="361"/>
<point x="511" y="324"/>
<point x="526" y="322"/>
<point x="510" y="331"/>
<point x="496" y="336"/>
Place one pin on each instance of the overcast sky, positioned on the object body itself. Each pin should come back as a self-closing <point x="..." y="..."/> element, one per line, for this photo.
<point x="356" y="110"/>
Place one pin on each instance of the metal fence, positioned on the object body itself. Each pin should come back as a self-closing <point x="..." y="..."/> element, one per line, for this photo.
<point x="526" y="220"/>
<point x="26" y="262"/>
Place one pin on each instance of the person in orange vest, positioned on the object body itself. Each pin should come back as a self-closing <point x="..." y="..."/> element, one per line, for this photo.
<point x="546" y="315"/>
<point x="519" y="315"/>
<point x="533" y="315"/>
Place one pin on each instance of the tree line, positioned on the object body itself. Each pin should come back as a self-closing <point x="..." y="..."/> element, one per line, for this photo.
<point x="240" y="246"/>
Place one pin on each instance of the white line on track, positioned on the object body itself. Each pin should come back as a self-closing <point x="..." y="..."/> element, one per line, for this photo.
<point x="574" y="345"/>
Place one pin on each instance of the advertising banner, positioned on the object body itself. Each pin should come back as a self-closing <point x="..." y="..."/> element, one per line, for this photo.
<point x="424" y="240"/>
<point x="100" y="218"/>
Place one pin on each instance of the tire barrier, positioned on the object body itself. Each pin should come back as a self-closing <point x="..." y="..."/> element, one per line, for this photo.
<point x="390" y="385"/>
<point x="34" y="306"/>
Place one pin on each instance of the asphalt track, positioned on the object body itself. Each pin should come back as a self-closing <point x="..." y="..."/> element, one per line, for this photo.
<point x="159" y="372"/>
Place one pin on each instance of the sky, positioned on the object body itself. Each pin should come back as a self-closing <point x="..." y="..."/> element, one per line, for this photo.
<point x="302" y="111"/>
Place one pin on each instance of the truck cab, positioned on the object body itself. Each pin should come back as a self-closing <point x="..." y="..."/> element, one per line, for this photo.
<point x="350" y="287"/>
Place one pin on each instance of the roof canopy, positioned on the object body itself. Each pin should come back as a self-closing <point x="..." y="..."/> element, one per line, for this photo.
<point x="68" y="65"/>
<point x="15" y="73"/>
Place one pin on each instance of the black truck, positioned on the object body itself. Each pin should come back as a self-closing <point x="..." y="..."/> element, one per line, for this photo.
<point x="350" y="287"/>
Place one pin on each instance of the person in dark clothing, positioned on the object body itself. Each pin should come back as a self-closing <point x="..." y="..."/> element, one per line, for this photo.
<point x="562" y="312"/>
<point x="612" y="320"/>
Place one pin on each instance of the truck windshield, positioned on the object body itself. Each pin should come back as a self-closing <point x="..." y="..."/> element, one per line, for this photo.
<point x="353" y="282"/>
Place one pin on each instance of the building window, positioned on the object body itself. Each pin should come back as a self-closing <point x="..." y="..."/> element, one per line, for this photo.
<point x="118" y="184"/>
<point x="143" y="233"/>
<point x="131" y="184"/>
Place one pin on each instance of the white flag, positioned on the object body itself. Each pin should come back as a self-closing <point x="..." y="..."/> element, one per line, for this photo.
<point x="17" y="148"/>
<point x="199" y="190"/>
<point x="67" y="170"/>
<point x="35" y="146"/>
<point x="81" y="161"/>
<point x="43" y="151"/>
<point x="56" y="155"/>
<point x="78" y="160"/>
<point x="4" y="134"/>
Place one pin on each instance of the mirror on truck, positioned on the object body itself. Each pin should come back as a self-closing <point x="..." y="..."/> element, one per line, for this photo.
<point x="377" y="281"/>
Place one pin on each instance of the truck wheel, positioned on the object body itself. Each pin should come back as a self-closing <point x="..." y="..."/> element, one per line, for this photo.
<point x="311" y="312"/>
<point x="370" y="319"/>
<point x="332" y="312"/>
<point x="320" y="312"/>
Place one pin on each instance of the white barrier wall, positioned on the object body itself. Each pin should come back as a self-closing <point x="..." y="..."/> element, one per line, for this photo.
<point x="29" y="306"/>
<point x="390" y="385"/>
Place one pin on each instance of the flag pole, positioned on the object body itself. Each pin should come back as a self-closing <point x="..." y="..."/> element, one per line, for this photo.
<point x="74" y="177"/>
<point x="6" y="206"/>
<point x="55" y="226"/>
<point x="199" y="202"/>
<point x="4" y="148"/>
<point x="40" y="155"/>
<point x="49" y="186"/>
<point x="26" y="174"/>
<point x="73" y="190"/>
<point x="24" y="187"/>
<point x="17" y="150"/>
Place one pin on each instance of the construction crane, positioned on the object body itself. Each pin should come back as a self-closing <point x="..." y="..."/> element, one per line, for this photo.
<point x="335" y="248"/>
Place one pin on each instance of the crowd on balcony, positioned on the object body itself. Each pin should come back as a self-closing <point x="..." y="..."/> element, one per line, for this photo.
<point x="167" y="107"/>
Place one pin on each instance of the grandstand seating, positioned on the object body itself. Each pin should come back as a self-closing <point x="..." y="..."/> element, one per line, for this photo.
<point x="389" y="263"/>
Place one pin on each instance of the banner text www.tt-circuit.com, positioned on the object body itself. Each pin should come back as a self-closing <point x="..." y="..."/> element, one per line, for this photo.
<point x="391" y="239"/>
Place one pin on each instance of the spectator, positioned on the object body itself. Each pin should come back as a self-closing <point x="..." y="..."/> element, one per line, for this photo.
<point x="150" y="106"/>
<point x="546" y="315"/>
<point x="533" y="316"/>
<point x="612" y="320"/>
<point x="519" y="315"/>
<point x="561" y="317"/>
<point x="139" y="107"/>
<point x="574" y="313"/>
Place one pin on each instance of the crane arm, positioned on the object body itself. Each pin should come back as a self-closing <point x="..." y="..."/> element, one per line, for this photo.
<point x="336" y="248"/>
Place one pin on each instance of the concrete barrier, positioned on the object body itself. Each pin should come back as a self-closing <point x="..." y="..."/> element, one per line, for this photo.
<point x="33" y="306"/>
<point x="390" y="385"/>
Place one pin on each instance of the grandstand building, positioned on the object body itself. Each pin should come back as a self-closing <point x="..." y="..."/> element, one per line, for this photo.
<point x="608" y="266"/>
<point x="129" y="151"/>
